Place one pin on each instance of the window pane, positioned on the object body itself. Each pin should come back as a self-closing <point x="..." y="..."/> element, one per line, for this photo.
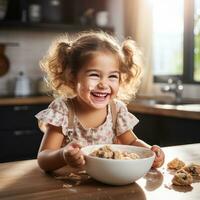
<point x="168" y="18"/>
<point x="197" y="41"/>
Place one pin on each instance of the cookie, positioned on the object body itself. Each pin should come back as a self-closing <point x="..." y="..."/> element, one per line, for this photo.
<point x="176" y="164"/>
<point x="182" y="178"/>
<point x="193" y="169"/>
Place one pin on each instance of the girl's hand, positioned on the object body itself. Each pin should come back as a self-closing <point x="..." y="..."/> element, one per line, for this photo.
<point x="73" y="155"/>
<point x="160" y="156"/>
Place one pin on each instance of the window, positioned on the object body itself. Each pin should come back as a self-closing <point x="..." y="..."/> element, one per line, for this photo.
<point x="197" y="41"/>
<point x="176" y="40"/>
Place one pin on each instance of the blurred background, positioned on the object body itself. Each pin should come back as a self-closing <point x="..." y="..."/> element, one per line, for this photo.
<point x="167" y="32"/>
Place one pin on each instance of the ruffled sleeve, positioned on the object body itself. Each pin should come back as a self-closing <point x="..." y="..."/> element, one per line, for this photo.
<point x="125" y="120"/>
<point x="56" y="114"/>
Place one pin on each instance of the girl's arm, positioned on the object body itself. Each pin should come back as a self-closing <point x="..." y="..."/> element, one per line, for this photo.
<point x="129" y="138"/>
<point x="53" y="156"/>
<point x="50" y="155"/>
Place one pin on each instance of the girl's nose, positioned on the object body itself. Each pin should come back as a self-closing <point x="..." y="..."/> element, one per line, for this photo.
<point x="102" y="85"/>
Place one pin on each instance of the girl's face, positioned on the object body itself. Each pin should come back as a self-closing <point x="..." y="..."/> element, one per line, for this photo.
<point x="98" y="80"/>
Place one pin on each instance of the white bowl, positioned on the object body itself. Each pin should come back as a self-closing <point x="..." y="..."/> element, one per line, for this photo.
<point x="118" y="172"/>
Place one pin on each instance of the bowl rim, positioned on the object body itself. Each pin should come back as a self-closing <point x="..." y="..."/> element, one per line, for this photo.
<point x="118" y="160"/>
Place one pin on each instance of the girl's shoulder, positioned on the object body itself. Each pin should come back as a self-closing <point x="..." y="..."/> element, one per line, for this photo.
<point x="59" y="105"/>
<point x="125" y="120"/>
<point x="120" y="105"/>
<point x="56" y="114"/>
<point x="57" y="109"/>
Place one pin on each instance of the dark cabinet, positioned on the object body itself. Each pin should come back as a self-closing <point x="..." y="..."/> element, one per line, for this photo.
<point x="57" y="15"/>
<point x="19" y="134"/>
<point x="35" y="11"/>
<point x="167" y="131"/>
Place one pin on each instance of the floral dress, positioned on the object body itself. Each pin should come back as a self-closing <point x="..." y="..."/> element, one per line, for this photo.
<point x="57" y="114"/>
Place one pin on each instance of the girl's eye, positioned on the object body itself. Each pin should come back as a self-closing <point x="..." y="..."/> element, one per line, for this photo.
<point x="94" y="75"/>
<point x="114" y="76"/>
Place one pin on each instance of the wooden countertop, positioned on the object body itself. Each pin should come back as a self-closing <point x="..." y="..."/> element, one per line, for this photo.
<point x="135" y="106"/>
<point x="25" y="100"/>
<point x="192" y="112"/>
<point x="24" y="180"/>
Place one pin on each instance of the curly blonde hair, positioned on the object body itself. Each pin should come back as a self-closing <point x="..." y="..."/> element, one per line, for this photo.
<point x="68" y="54"/>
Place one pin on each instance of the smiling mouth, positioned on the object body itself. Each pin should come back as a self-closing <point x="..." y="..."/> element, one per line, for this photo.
<point x="100" y="95"/>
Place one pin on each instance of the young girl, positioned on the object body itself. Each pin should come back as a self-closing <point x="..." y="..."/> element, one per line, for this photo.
<point x="88" y="73"/>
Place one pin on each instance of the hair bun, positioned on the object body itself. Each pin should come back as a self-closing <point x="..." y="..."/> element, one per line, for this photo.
<point x="128" y="47"/>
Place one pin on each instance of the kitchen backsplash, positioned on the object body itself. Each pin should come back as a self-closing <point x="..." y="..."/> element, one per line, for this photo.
<point x="30" y="49"/>
<point x="24" y="56"/>
<point x="32" y="45"/>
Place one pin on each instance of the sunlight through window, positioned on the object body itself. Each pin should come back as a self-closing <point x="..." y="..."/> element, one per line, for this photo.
<point x="197" y="41"/>
<point x="168" y="37"/>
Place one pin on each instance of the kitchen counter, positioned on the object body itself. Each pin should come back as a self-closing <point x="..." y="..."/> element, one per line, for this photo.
<point x="189" y="112"/>
<point x="25" y="100"/>
<point x="24" y="180"/>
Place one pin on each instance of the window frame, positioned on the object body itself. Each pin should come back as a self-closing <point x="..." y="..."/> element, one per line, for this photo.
<point x="188" y="48"/>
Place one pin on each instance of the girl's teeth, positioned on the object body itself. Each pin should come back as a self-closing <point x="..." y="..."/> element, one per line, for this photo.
<point x="99" y="94"/>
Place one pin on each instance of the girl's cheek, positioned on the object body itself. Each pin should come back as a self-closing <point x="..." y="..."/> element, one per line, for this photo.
<point x="86" y="86"/>
<point x="116" y="86"/>
<point x="92" y="84"/>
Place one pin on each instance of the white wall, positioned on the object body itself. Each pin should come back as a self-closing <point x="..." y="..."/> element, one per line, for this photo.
<point x="116" y="16"/>
<point x="32" y="45"/>
<point x="24" y="57"/>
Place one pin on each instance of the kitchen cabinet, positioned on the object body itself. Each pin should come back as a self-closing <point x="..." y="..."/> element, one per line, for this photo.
<point x="26" y="26"/>
<point x="167" y="130"/>
<point x="54" y="15"/>
<point x="19" y="134"/>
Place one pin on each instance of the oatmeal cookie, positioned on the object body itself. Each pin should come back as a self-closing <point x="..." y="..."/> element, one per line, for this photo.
<point x="175" y="164"/>
<point x="182" y="178"/>
<point x="193" y="169"/>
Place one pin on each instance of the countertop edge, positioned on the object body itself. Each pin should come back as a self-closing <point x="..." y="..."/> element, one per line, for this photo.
<point x="25" y="100"/>
<point x="132" y="107"/>
<point x="159" y="110"/>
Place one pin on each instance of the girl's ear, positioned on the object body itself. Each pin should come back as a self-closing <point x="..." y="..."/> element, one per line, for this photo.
<point x="73" y="80"/>
<point x="69" y="77"/>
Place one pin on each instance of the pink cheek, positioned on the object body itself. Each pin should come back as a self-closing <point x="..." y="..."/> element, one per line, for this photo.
<point x="85" y="88"/>
<point x="92" y="85"/>
<point x="91" y="88"/>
